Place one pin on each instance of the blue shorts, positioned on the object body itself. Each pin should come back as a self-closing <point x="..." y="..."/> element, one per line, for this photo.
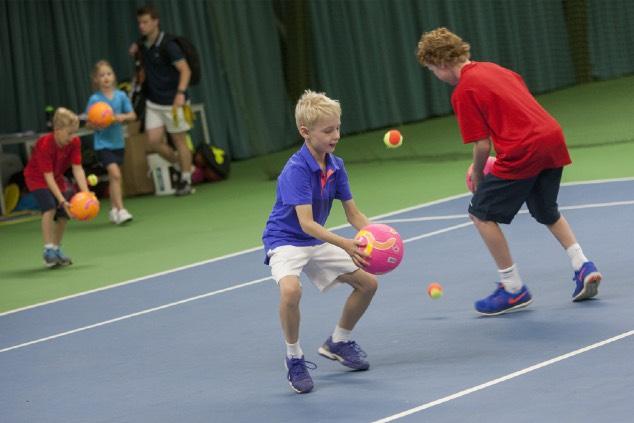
<point x="499" y="200"/>
<point x="46" y="200"/>
<point x="107" y="157"/>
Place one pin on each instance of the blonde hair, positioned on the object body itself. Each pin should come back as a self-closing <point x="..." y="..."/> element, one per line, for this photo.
<point x="442" y="47"/>
<point x="312" y="107"/>
<point x="64" y="118"/>
<point x="94" y="74"/>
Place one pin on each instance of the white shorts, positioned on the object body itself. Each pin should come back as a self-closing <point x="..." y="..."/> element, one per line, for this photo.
<point x="157" y="115"/>
<point x="323" y="263"/>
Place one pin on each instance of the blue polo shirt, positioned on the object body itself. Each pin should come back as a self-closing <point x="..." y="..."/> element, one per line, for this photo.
<point x="303" y="182"/>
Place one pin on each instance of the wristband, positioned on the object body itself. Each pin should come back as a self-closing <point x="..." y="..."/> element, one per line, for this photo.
<point x="181" y="91"/>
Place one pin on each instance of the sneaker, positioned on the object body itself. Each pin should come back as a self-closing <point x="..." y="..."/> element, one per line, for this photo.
<point x="502" y="301"/>
<point x="587" y="280"/>
<point x="348" y="353"/>
<point x="183" y="188"/>
<point x="298" y="377"/>
<point x="50" y="258"/>
<point x="62" y="259"/>
<point x="113" y="216"/>
<point x="124" y="216"/>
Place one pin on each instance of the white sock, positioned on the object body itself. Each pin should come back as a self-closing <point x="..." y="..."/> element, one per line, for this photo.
<point x="576" y="256"/>
<point x="511" y="279"/>
<point x="187" y="177"/>
<point x="341" y="335"/>
<point x="294" y="350"/>
<point x="55" y="247"/>
<point x="47" y="246"/>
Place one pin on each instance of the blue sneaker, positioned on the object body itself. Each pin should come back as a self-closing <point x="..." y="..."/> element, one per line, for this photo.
<point x="50" y="258"/>
<point x="502" y="301"/>
<point x="587" y="280"/>
<point x="298" y="376"/>
<point x="348" y="353"/>
<point x="62" y="259"/>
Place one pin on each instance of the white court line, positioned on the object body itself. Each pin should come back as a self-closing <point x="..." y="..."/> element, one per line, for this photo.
<point x="523" y="211"/>
<point x="139" y="313"/>
<point x="250" y="250"/>
<point x="503" y="378"/>
<point x="197" y="297"/>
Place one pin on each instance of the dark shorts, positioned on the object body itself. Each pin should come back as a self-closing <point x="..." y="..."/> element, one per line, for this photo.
<point x="46" y="200"/>
<point x="499" y="200"/>
<point x="107" y="157"/>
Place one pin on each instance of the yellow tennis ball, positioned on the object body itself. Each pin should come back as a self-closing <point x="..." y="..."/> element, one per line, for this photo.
<point x="92" y="179"/>
<point x="393" y="138"/>
<point x="434" y="290"/>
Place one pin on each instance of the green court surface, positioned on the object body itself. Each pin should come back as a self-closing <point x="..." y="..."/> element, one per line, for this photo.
<point x="228" y="217"/>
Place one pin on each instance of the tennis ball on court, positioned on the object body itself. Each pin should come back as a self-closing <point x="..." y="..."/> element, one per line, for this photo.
<point x="393" y="138"/>
<point x="434" y="290"/>
<point x="92" y="179"/>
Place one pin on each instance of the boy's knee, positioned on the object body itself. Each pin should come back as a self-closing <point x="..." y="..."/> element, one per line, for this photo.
<point x="369" y="284"/>
<point x="290" y="292"/>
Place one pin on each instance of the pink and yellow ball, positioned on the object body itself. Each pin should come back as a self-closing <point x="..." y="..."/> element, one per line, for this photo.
<point x="384" y="246"/>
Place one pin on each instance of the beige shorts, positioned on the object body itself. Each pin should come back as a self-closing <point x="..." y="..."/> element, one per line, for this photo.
<point x="157" y="115"/>
<point x="323" y="263"/>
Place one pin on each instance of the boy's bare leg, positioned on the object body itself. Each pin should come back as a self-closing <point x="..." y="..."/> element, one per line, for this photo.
<point x="60" y="226"/>
<point x="495" y="241"/>
<point x="364" y="286"/>
<point x="48" y="227"/>
<point x="290" y="295"/>
<point x="563" y="232"/>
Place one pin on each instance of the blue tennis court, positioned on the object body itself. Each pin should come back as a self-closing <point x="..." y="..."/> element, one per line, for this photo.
<point x="203" y="343"/>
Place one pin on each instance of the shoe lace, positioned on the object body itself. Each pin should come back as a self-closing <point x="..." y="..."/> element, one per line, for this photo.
<point x="351" y="348"/>
<point x="298" y="368"/>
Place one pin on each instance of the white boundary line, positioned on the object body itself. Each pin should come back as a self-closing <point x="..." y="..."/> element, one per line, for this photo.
<point x="523" y="211"/>
<point x="250" y="250"/>
<point x="138" y="313"/>
<point x="503" y="378"/>
<point x="197" y="297"/>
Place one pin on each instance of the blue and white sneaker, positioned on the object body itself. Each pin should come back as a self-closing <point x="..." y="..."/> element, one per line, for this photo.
<point x="50" y="257"/>
<point x="348" y="353"/>
<point x="298" y="377"/>
<point x="587" y="281"/>
<point x="502" y="301"/>
<point x="62" y="259"/>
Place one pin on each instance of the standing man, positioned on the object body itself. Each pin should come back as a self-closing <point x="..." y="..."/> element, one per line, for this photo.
<point x="165" y="82"/>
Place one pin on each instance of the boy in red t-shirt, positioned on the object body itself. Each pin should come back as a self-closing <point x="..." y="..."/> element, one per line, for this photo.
<point x="494" y="107"/>
<point x="51" y="157"/>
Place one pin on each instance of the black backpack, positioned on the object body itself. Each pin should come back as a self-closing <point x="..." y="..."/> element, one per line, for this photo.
<point x="190" y="53"/>
<point x="214" y="161"/>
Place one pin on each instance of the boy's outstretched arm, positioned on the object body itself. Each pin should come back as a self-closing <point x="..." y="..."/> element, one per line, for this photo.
<point x="314" y="229"/>
<point x="481" y="150"/>
<point x="354" y="215"/>
<point x="80" y="177"/>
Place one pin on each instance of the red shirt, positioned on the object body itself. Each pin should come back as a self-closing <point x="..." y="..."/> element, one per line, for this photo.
<point x="491" y="101"/>
<point x="47" y="156"/>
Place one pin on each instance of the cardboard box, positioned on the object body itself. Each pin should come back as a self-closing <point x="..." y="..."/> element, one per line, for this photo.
<point x="135" y="172"/>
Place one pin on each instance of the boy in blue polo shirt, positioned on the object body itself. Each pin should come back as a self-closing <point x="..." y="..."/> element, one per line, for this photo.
<point x="295" y="239"/>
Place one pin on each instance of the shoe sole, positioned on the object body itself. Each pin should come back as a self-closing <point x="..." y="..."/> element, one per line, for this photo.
<point x="329" y="355"/>
<point x="52" y="265"/>
<point x="590" y="287"/>
<point x="121" y="222"/>
<point x="507" y="310"/>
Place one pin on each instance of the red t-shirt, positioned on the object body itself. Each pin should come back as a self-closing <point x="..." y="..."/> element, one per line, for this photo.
<point x="491" y="101"/>
<point x="47" y="156"/>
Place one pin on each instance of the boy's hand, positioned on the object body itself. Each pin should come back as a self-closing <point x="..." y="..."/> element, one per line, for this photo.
<point x="66" y="206"/>
<point x="354" y="248"/>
